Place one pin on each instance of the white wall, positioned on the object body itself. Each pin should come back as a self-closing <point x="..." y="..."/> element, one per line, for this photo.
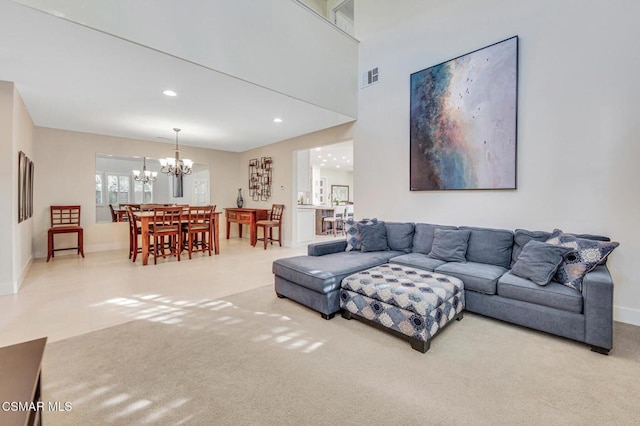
<point x="16" y="134"/>
<point x="337" y="177"/>
<point x="284" y="172"/>
<point x="577" y="118"/>
<point x="23" y="130"/>
<point x="277" y="44"/>
<point x="65" y="174"/>
<point x="8" y="181"/>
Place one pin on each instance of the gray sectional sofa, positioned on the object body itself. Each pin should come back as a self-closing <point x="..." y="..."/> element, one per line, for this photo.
<point x="491" y="289"/>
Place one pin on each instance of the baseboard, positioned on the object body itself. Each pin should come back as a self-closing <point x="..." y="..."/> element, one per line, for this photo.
<point x="23" y="275"/>
<point x="105" y="247"/>
<point x="6" y="289"/>
<point x="12" y="287"/>
<point x="626" y="315"/>
<point x="87" y="249"/>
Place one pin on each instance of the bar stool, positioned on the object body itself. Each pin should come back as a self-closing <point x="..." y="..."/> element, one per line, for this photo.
<point x="65" y="220"/>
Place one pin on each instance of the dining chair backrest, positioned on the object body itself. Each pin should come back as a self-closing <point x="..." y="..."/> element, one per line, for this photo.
<point x="276" y="212"/>
<point x="131" y="216"/>
<point x="339" y="212"/>
<point x="349" y="212"/>
<point x="150" y="207"/>
<point x="167" y="216"/>
<point x="200" y="215"/>
<point x="114" y="216"/>
<point x="65" y="216"/>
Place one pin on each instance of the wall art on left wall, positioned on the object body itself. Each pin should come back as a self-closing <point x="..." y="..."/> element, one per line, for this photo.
<point x="25" y="187"/>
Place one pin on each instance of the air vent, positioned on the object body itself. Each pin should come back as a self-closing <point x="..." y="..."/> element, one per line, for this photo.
<point x="370" y="77"/>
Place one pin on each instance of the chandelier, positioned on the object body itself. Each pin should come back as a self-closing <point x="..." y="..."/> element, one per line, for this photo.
<point x="176" y="166"/>
<point x="146" y="176"/>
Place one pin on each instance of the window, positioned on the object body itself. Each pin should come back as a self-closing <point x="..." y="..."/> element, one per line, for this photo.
<point x="118" y="188"/>
<point x="142" y="193"/>
<point x="99" y="190"/>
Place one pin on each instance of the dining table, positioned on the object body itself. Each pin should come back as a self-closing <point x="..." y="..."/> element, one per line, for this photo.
<point x="245" y="216"/>
<point x="121" y="214"/>
<point x="146" y="218"/>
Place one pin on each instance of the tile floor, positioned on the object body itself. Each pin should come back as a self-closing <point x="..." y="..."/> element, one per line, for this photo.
<point x="70" y="296"/>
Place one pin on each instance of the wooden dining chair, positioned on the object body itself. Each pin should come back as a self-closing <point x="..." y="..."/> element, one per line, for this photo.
<point x="134" y="231"/>
<point x="198" y="230"/>
<point x="114" y="215"/>
<point x="274" y="221"/>
<point x="64" y="220"/>
<point x="166" y="232"/>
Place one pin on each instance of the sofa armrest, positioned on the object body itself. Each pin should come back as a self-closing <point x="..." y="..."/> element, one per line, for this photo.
<point x="597" y="290"/>
<point x="326" y="247"/>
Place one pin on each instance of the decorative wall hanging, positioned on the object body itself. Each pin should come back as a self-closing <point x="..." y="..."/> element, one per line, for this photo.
<point x="25" y="187"/>
<point x="260" y="178"/>
<point x="464" y="121"/>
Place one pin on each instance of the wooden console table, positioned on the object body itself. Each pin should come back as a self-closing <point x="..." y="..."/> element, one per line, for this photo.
<point x="20" y="367"/>
<point x="243" y="216"/>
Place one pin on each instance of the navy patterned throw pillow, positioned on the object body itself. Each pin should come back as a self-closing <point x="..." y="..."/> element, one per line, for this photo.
<point x="354" y="239"/>
<point x="589" y="253"/>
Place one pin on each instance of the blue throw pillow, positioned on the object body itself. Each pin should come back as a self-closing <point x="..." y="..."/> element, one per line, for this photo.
<point x="374" y="237"/>
<point x="450" y="245"/>
<point x="540" y="261"/>
<point x="589" y="254"/>
<point x="354" y="242"/>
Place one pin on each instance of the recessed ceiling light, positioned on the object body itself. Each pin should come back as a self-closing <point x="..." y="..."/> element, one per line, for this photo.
<point x="329" y="155"/>
<point x="344" y="158"/>
<point x="348" y="161"/>
<point x="277" y="120"/>
<point x="322" y="165"/>
<point x="318" y="149"/>
<point x="338" y="166"/>
<point x="335" y="158"/>
<point x="170" y="93"/>
<point x="319" y="156"/>
<point x="324" y="161"/>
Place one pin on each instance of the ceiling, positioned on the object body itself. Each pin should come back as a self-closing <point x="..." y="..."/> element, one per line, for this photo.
<point x="337" y="156"/>
<point x="77" y="78"/>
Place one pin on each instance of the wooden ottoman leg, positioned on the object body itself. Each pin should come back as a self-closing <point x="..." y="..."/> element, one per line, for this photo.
<point x="346" y="314"/>
<point x="459" y="316"/>
<point x="420" y="345"/>
<point x="327" y="317"/>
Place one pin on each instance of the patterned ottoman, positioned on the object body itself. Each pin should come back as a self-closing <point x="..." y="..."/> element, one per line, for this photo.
<point x="411" y="303"/>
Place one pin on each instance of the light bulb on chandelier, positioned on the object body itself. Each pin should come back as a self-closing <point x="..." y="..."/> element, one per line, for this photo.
<point x="146" y="176"/>
<point x="176" y="166"/>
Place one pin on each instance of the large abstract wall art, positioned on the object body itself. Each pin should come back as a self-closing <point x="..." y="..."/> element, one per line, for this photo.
<point x="463" y="121"/>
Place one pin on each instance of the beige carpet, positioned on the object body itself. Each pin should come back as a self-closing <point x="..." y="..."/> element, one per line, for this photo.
<point x="255" y="359"/>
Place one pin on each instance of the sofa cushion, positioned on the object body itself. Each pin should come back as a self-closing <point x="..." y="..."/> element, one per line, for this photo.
<point x="540" y="261"/>
<point x="373" y="237"/>
<point x="588" y="254"/>
<point x="520" y="239"/>
<point x="423" y="236"/>
<point x="480" y="277"/>
<point x="324" y="273"/>
<point x="400" y="236"/>
<point x="488" y="245"/>
<point x="353" y="232"/>
<point x="417" y="260"/>
<point x="553" y="295"/>
<point x="449" y="245"/>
